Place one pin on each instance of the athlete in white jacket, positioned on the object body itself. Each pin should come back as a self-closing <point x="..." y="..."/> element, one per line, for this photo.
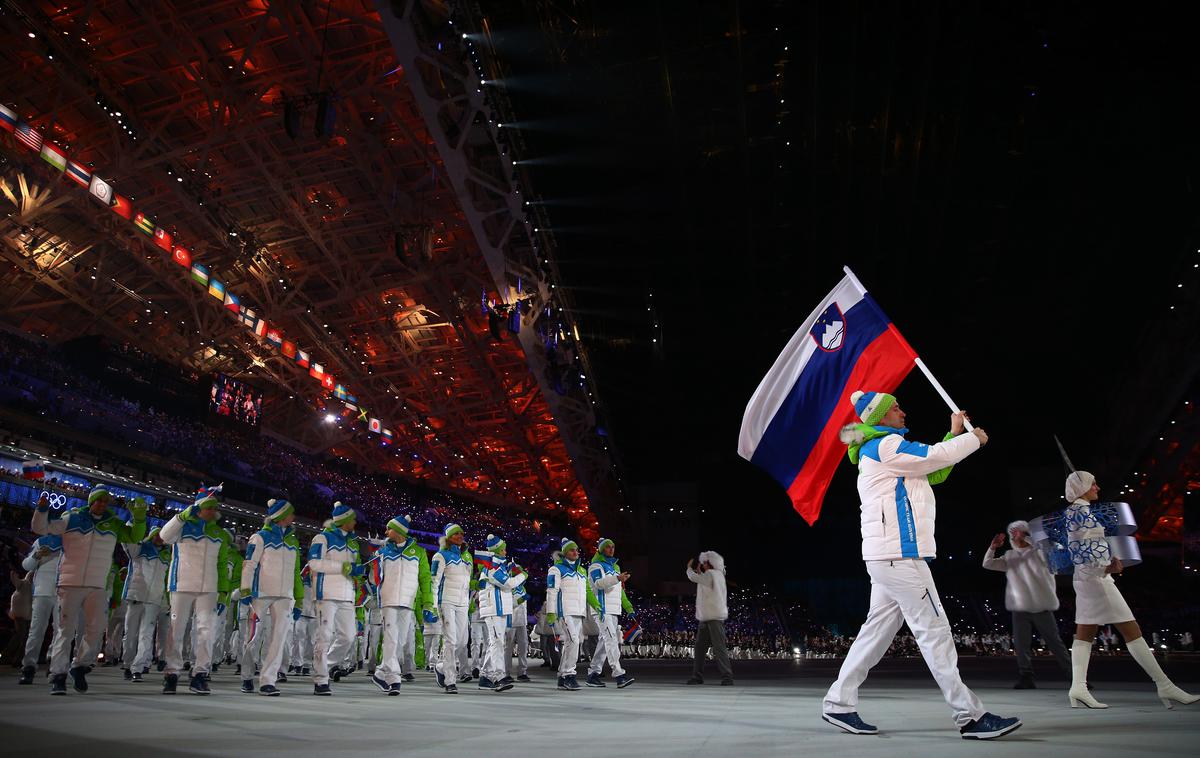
<point x="894" y="478"/>
<point x="42" y="561"/>
<point x="333" y="558"/>
<point x="271" y="575"/>
<point x="89" y="535"/>
<point x="401" y="573"/>
<point x="450" y="582"/>
<point x="568" y="596"/>
<point x="495" y="609"/>
<point x="143" y="593"/>
<point x="608" y="584"/>
<point x="1030" y="596"/>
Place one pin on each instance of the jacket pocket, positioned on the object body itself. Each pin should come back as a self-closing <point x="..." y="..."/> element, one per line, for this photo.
<point x="929" y="596"/>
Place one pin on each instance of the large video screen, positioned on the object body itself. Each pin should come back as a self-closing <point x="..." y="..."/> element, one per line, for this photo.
<point x="235" y="400"/>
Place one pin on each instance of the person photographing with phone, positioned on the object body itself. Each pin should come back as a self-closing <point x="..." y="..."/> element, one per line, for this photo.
<point x="712" y="608"/>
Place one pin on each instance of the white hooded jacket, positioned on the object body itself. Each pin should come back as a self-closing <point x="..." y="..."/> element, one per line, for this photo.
<point x="711" y="602"/>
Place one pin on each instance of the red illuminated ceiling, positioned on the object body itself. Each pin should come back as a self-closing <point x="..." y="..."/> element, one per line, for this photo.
<point x="200" y="143"/>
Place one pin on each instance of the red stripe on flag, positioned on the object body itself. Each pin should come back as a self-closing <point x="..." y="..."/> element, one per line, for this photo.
<point x="880" y="368"/>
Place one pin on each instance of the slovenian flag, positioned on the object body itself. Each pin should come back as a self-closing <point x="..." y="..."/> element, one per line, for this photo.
<point x="79" y="174"/>
<point x="791" y="425"/>
<point x="35" y="470"/>
<point x="54" y="155"/>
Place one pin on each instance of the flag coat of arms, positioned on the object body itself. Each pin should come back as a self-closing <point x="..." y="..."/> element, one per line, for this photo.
<point x="54" y="155"/>
<point x="288" y="349"/>
<point x="79" y="174"/>
<point x="274" y="337"/>
<point x="181" y="256"/>
<point x="790" y="427"/>
<point x="101" y="190"/>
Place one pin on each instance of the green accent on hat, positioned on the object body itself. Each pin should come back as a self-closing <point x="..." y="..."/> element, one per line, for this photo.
<point x="395" y="525"/>
<point x="349" y="515"/>
<point x="603" y="543"/>
<point x="98" y="493"/>
<point x="451" y="530"/>
<point x="568" y="544"/>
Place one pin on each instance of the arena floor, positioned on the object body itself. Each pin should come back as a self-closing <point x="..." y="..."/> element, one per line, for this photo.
<point x="774" y="709"/>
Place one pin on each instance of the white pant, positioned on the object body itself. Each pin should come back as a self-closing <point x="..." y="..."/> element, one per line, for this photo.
<point x="399" y="629"/>
<point x="516" y="640"/>
<point x="140" y="621"/>
<point x="302" y="641"/>
<point x="183" y="605"/>
<point x="454" y="641"/>
<point x="374" y="637"/>
<point x="256" y="629"/>
<point x="492" y="665"/>
<point x="277" y="612"/>
<point x="114" y="632"/>
<point x="335" y="632"/>
<point x="79" y="608"/>
<point x="219" y="637"/>
<point x="433" y="649"/>
<point x="478" y="643"/>
<point x="608" y="646"/>
<point x="570" y="628"/>
<point x="43" y="611"/>
<point x="903" y="591"/>
<point x="164" y="631"/>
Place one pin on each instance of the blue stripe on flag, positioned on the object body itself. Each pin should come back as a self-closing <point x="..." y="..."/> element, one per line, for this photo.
<point x="795" y="427"/>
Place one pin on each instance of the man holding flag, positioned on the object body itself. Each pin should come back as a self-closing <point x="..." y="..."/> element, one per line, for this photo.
<point x="791" y="429"/>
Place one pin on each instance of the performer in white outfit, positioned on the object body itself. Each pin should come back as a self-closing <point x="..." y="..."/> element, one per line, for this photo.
<point x="450" y="580"/>
<point x="1098" y="601"/>
<point x="1030" y="596"/>
<point x="608" y="584"/>
<point x="89" y="535"/>
<point x="334" y="560"/>
<point x="495" y="608"/>
<point x="271" y="576"/>
<point x="894" y="478"/>
<point x="568" y="596"/>
<point x="400" y="570"/>
<point x="143" y="602"/>
<point x="42" y="561"/>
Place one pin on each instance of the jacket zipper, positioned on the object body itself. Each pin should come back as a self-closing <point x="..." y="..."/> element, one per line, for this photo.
<point x="932" y="605"/>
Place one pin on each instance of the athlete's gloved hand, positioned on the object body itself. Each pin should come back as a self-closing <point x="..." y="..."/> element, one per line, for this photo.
<point x="246" y="599"/>
<point x="138" y="508"/>
<point x="353" y="569"/>
<point x="551" y="618"/>
<point x="430" y="616"/>
<point x="295" y="614"/>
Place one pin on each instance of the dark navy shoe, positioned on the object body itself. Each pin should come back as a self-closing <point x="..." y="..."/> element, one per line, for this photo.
<point x="281" y="678"/>
<point x="989" y="726"/>
<point x="322" y="689"/>
<point x="169" y="683"/>
<point x="394" y="689"/>
<point x="623" y="681"/>
<point x="593" y="680"/>
<point x="486" y="684"/>
<point x="569" y="683"/>
<point x="382" y="685"/>
<point x="503" y="686"/>
<point x="850" y="722"/>
<point x="269" y="690"/>
<point x="199" y="685"/>
<point x="247" y="685"/>
<point x="136" y="676"/>
<point x="441" y="678"/>
<point x="451" y="689"/>
<point x="27" y="674"/>
<point x="408" y="678"/>
<point x="524" y="678"/>
<point x="58" y="684"/>
<point x="128" y="675"/>
<point x="79" y="678"/>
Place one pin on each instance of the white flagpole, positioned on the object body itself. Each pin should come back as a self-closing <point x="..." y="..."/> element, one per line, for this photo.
<point x="937" y="386"/>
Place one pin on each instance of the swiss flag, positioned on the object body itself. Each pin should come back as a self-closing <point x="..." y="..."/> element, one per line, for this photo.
<point x="328" y="382"/>
<point x="162" y="238"/>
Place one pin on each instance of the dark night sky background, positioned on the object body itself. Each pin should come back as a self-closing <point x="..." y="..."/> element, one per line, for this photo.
<point x="1016" y="185"/>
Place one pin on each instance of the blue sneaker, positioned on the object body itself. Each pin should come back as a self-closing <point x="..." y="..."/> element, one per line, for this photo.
<point x="441" y="678"/>
<point x="989" y="726"/>
<point x="381" y="684"/>
<point x="850" y="722"/>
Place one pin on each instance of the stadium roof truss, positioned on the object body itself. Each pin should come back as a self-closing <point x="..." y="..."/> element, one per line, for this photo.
<point x="370" y="246"/>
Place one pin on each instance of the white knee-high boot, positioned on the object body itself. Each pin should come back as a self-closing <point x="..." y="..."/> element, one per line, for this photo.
<point x="1167" y="691"/>
<point x="1081" y="653"/>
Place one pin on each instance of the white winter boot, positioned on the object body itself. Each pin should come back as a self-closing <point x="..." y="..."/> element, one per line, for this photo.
<point x="1168" y="693"/>
<point x="1081" y="653"/>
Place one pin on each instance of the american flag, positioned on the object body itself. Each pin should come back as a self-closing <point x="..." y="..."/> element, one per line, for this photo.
<point x="29" y="137"/>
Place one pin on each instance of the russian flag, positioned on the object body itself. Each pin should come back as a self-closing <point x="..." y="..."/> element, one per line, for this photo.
<point x="35" y="470"/>
<point x="791" y="424"/>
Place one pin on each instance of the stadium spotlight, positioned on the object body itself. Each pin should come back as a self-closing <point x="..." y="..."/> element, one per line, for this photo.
<point x="330" y="418"/>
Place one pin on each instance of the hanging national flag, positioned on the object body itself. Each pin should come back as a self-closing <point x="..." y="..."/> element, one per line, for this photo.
<point x="54" y="155"/>
<point x="216" y="289"/>
<point x="231" y="302"/>
<point x="351" y="398"/>
<point x="101" y="190"/>
<point x="121" y="206"/>
<point x="328" y="382"/>
<point x="301" y="359"/>
<point x="163" y="238"/>
<point x="249" y="318"/>
<point x="317" y="371"/>
<point x="144" y="222"/>
<point x="375" y="425"/>
<point x="79" y="174"/>
<point x="260" y="327"/>
<point x="181" y="256"/>
<point x="351" y="407"/>
<point x="790" y="427"/>
<point x="29" y="137"/>
<point x="288" y="349"/>
<point x="200" y="274"/>
<point x="388" y="437"/>
<point x="340" y="392"/>
<point x="8" y="119"/>
<point x="274" y="337"/>
<point x="35" y="470"/>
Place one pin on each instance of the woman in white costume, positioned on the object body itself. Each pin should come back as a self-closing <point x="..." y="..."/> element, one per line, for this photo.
<point x="1097" y="599"/>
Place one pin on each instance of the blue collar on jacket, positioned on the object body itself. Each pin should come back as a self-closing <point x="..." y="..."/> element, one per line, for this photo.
<point x="50" y="541"/>
<point x="148" y="550"/>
